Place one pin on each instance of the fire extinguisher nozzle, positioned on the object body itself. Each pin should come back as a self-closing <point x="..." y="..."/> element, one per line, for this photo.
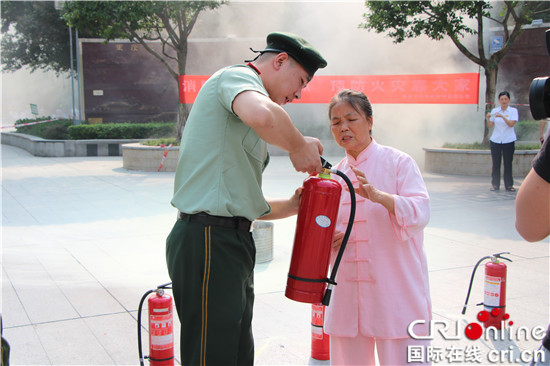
<point x="464" y="310"/>
<point x="326" y="297"/>
<point x="325" y="164"/>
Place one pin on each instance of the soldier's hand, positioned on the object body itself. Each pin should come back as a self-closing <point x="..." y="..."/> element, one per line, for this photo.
<point x="307" y="158"/>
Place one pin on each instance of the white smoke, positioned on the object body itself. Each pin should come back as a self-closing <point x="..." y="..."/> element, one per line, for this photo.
<point x="51" y="94"/>
<point x="332" y="27"/>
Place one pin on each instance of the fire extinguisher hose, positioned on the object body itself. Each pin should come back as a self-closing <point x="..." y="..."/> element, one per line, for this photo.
<point x="332" y="280"/>
<point x="140" y="349"/>
<point x="472" y="281"/>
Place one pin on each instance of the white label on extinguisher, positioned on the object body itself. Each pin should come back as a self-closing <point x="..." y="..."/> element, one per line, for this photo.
<point x="317" y="317"/>
<point x="163" y="310"/>
<point x="317" y="320"/>
<point x="322" y="221"/>
<point x="161" y="332"/>
<point x="492" y="291"/>
<point x="316" y="332"/>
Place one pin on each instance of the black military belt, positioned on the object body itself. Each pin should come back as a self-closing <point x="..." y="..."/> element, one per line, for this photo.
<point x="239" y="223"/>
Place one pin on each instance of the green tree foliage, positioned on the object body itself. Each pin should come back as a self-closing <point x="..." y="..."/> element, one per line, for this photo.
<point x="457" y="19"/>
<point x="169" y="22"/>
<point x="34" y="35"/>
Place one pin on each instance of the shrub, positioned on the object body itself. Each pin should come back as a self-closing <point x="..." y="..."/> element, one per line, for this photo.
<point x="54" y="130"/>
<point x="122" y="131"/>
<point x="64" y="129"/>
<point x="527" y="130"/>
<point x="164" y="141"/>
<point x="480" y="146"/>
<point x="472" y="146"/>
<point x="534" y="146"/>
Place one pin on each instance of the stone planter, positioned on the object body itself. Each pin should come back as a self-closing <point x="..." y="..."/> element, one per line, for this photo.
<point x="472" y="162"/>
<point x="64" y="148"/>
<point x="149" y="158"/>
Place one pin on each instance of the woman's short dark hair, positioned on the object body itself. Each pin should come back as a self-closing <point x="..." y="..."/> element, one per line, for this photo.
<point x="355" y="98"/>
<point x="504" y="93"/>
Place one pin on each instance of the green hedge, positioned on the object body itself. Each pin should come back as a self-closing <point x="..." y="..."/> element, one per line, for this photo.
<point x="54" y="130"/>
<point x="65" y="130"/>
<point x="162" y="141"/>
<point x="527" y="130"/>
<point x="122" y="131"/>
<point x="480" y="146"/>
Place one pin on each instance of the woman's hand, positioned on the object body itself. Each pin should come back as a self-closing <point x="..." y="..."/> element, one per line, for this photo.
<point x="365" y="189"/>
<point x="490" y="123"/>
<point x="368" y="191"/>
<point x="506" y="120"/>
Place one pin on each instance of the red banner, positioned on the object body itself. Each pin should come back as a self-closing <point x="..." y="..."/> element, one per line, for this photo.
<point x="381" y="89"/>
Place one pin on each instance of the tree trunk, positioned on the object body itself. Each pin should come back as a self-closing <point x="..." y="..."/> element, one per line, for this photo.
<point x="183" y="113"/>
<point x="490" y="91"/>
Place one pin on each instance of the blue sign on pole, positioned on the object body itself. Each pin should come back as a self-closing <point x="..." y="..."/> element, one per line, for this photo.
<point x="496" y="44"/>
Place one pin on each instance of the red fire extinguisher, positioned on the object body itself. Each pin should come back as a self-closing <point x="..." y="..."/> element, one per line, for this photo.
<point x="307" y="276"/>
<point x="320" y="341"/>
<point x="161" y="327"/>
<point x="494" y="300"/>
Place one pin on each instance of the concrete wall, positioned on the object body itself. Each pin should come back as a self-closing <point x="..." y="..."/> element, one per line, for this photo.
<point x="64" y="148"/>
<point x="149" y="158"/>
<point x="473" y="162"/>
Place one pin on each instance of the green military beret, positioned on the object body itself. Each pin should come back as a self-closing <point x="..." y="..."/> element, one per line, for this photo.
<point x="297" y="47"/>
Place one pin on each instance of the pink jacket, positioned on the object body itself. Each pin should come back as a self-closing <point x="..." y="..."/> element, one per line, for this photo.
<point x="382" y="282"/>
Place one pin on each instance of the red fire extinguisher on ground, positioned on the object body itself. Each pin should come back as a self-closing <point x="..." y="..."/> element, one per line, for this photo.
<point x="320" y="341"/>
<point x="161" y="327"/>
<point x="307" y="276"/>
<point x="494" y="300"/>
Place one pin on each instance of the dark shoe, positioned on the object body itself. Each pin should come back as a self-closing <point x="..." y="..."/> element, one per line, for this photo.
<point x="511" y="189"/>
<point x="493" y="188"/>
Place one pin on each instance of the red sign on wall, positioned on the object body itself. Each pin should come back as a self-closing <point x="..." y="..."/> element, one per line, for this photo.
<point x="381" y="89"/>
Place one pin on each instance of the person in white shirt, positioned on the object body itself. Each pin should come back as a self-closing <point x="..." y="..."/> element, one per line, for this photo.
<point x="502" y="140"/>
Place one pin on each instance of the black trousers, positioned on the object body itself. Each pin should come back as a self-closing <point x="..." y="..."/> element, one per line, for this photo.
<point x="505" y="153"/>
<point x="212" y="272"/>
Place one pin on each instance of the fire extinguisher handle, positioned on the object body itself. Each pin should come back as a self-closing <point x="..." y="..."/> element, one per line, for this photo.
<point x="499" y="255"/>
<point x="325" y="163"/>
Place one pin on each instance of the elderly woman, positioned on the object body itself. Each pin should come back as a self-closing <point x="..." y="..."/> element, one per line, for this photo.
<point x="383" y="277"/>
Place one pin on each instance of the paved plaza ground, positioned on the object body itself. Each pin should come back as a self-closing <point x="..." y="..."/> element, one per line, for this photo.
<point x="83" y="239"/>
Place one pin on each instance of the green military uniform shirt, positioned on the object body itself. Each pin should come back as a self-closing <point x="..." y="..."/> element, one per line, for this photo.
<point x="221" y="158"/>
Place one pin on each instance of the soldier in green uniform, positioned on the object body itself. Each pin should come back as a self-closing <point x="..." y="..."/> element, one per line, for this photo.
<point x="210" y="251"/>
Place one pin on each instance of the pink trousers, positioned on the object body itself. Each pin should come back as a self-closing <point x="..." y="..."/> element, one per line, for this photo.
<point x="392" y="352"/>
